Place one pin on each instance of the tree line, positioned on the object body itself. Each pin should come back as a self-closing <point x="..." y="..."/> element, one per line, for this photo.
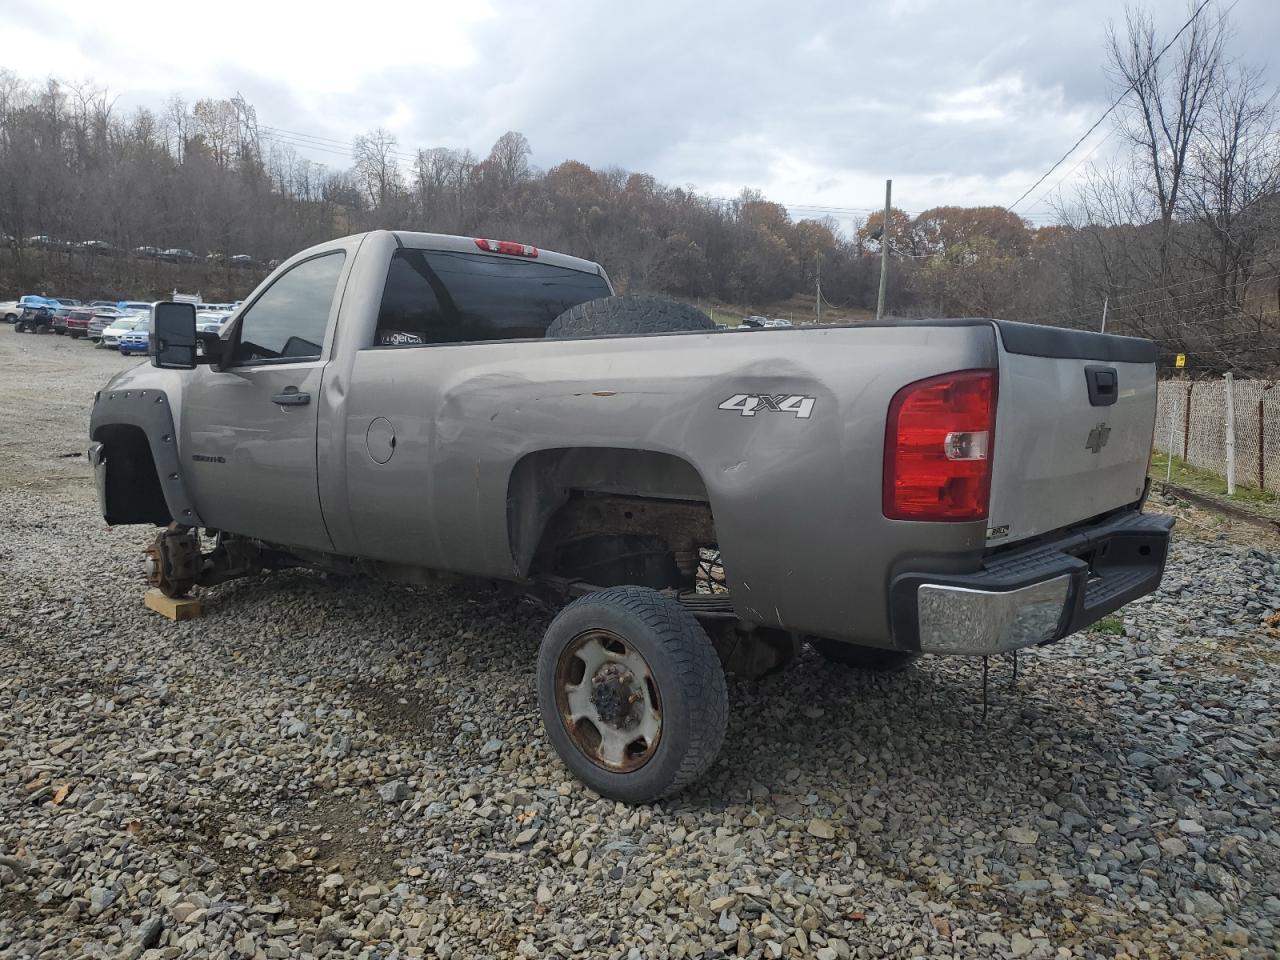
<point x="1177" y="238"/>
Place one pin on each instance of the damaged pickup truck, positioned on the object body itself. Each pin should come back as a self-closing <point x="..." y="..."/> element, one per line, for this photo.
<point x="412" y="406"/>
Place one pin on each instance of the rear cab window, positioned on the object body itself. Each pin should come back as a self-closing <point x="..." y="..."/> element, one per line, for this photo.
<point x="443" y="296"/>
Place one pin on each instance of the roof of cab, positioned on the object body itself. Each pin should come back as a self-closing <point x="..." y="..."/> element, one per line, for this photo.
<point x="442" y="241"/>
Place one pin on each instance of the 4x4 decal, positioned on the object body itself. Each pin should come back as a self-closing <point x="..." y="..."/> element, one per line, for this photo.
<point x="749" y="404"/>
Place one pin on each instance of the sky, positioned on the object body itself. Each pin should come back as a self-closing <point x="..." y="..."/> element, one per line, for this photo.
<point x="815" y="104"/>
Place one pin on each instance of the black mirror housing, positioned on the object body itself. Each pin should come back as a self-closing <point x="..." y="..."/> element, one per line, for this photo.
<point x="209" y="348"/>
<point x="173" y="335"/>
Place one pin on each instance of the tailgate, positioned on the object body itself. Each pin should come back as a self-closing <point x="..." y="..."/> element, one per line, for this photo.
<point x="1074" y="422"/>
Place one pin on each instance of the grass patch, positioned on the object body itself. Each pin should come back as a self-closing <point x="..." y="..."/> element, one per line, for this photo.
<point x="1205" y="481"/>
<point x="1112" y="626"/>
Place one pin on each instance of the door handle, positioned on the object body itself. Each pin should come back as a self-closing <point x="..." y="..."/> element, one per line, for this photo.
<point x="291" y="397"/>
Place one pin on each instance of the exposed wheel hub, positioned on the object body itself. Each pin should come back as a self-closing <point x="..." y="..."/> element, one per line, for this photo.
<point x="609" y="701"/>
<point x="615" y="696"/>
<point x="173" y="560"/>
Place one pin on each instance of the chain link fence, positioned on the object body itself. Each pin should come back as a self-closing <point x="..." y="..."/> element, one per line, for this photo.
<point x="1192" y="424"/>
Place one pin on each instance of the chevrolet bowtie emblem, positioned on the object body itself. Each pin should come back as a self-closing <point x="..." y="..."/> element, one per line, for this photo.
<point x="1098" y="438"/>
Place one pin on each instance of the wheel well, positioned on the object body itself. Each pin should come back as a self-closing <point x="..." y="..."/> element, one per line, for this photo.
<point x="133" y="490"/>
<point x="608" y="515"/>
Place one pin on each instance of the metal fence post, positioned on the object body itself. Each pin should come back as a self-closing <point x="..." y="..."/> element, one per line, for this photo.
<point x="1262" y="449"/>
<point x="1186" y="422"/>
<point x="1173" y="409"/>
<point x="1231" y="435"/>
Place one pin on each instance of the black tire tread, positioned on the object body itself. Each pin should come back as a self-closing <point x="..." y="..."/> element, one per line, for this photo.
<point x="697" y="665"/>
<point x="616" y="316"/>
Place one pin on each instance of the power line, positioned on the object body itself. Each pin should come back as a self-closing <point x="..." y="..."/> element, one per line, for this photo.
<point x="1097" y="123"/>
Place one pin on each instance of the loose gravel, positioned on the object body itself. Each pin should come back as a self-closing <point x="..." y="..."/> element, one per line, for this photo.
<point x="331" y="767"/>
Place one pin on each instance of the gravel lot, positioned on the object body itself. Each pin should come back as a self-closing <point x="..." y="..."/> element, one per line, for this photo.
<point x="336" y="767"/>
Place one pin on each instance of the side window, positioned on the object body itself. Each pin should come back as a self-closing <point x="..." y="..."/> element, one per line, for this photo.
<point x="287" y="323"/>
<point x="444" y="296"/>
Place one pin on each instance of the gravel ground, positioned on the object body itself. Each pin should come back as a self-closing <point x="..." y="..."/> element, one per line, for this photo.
<point x="336" y="767"/>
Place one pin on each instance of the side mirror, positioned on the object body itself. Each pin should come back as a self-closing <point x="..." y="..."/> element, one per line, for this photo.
<point x="173" y="335"/>
<point x="209" y="347"/>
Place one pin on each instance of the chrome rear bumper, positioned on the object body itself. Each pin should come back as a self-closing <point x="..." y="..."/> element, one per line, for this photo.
<point x="1036" y="594"/>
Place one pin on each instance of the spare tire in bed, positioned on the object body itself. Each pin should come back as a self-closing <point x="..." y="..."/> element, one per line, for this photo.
<point x="615" y="316"/>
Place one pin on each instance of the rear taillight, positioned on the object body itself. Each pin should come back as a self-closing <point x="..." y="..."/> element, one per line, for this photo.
<point x="509" y="247"/>
<point x="938" y="444"/>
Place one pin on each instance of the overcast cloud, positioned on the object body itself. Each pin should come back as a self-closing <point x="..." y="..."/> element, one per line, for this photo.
<point x="959" y="102"/>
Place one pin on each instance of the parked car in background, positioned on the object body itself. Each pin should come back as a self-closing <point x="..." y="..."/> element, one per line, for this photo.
<point x="103" y="317"/>
<point x="11" y="310"/>
<point x="146" y="253"/>
<point x="211" y="321"/>
<point x="242" y="260"/>
<point x="134" y="306"/>
<point x="43" y="242"/>
<point x="137" y="340"/>
<point x="102" y="303"/>
<point x="178" y="255"/>
<point x="118" y="328"/>
<point x="37" y="315"/>
<point x="75" y="323"/>
<point x="97" y="247"/>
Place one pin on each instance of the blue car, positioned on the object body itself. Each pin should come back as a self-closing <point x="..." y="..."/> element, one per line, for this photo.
<point x="137" y="340"/>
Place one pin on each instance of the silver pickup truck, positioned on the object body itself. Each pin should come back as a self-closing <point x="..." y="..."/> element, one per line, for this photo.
<point x="414" y="406"/>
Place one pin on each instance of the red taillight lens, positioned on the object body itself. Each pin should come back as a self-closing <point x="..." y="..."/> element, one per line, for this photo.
<point x="938" y="445"/>
<point x="509" y="247"/>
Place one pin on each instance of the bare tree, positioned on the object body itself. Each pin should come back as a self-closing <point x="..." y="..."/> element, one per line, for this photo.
<point x="1162" y="111"/>
<point x="376" y="167"/>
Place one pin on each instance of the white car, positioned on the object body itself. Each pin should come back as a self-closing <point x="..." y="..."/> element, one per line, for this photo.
<point x="112" y="334"/>
<point x="10" y="310"/>
<point x="211" y="321"/>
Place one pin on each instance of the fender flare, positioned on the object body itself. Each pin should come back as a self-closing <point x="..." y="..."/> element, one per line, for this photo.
<point x="149" y="411"/>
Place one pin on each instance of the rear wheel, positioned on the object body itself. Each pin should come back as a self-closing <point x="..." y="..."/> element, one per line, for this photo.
<point x="875" y="659"/>
<point x="617" y="316"/>
<point x="632" y="694"/>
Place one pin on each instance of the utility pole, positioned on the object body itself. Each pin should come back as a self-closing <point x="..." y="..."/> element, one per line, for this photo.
<point x="884" y="249"/>
<point x="818" y="292"/>
<point x="1104" y="314"/>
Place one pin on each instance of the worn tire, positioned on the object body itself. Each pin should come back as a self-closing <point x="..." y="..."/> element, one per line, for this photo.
<point x="617" y="316"/>
<point x="875" y="659"/>
<point x="685" y="670"/>
<point x="19" y="327"/>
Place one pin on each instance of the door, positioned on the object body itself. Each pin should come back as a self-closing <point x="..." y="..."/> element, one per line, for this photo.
<point x="249" y="429"/>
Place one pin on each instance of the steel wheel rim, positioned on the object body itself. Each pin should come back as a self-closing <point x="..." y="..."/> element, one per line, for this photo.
<point x="608" y="701"/>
